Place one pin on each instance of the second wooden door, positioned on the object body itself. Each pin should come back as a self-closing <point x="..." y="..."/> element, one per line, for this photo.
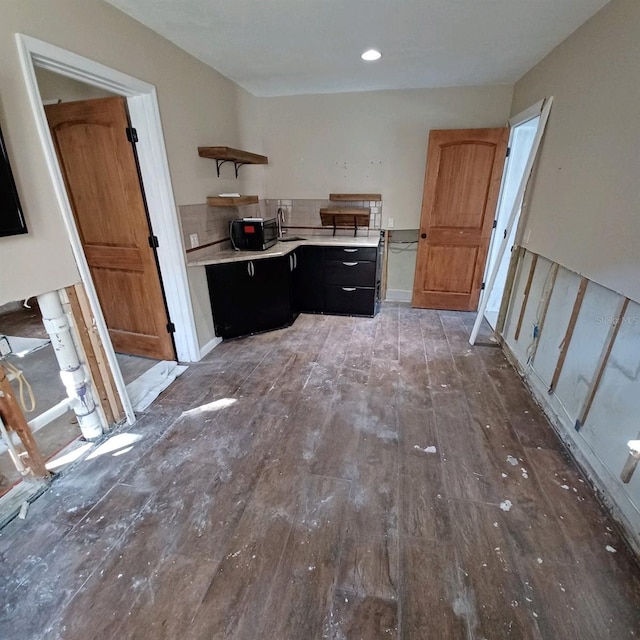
<point x="100" y="170"/>
<point x="461" y="188"/>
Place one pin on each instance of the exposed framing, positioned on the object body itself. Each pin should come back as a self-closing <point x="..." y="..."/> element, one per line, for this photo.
<point x="145" y="116"/>
<point x="573" y="319"/>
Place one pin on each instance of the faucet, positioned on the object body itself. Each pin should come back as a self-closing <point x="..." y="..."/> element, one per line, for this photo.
<point x="280" y="221"/>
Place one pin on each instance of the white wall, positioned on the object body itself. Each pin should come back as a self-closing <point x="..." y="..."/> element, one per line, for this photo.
<point x="198" y="107"/>
<point x="585" y="201"/>
<point x="369" y="142"/>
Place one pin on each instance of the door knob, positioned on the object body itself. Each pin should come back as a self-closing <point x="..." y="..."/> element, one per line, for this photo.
<point x="423" y="235"/>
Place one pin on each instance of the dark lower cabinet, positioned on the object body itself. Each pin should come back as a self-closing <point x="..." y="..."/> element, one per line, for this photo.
<point x="307" y="283"/>
<point x="257" y="295"/>
<point x="250" y="296"/>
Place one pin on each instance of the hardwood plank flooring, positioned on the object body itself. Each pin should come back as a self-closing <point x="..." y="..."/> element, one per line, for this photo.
<point x="344" y="478"/>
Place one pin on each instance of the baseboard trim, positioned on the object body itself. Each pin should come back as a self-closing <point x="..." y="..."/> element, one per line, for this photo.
<point x="399" y="295"/>
<point x="209" y="347"/>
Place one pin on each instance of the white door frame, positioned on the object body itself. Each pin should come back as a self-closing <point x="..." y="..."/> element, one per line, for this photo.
<point x="145" y="116"/>
<point x="545" y="108"/>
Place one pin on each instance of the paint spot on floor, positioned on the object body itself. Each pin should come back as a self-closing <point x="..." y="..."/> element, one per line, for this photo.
<point x="430" y="449"/>
<point x="610" y="549"/>
<point x="512" y="461"/>
<point x="506" y="505"/>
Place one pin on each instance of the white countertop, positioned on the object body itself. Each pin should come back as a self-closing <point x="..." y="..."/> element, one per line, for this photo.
<point x="207" y="255"/>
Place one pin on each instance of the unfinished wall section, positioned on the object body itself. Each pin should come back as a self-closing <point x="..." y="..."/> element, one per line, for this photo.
<point x="612" y="402"/>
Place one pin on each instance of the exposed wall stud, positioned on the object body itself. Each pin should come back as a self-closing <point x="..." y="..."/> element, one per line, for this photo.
<point x="553" y="274"/>
<point x="564" y="346"/>
<point x="602" y="362"/>
<point x="527" y="290"/>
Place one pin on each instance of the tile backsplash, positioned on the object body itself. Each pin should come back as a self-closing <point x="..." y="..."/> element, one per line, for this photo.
<point x="209" y="226"/>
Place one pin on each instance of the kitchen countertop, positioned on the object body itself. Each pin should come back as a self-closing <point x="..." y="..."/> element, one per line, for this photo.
<point x="207" y="256"/>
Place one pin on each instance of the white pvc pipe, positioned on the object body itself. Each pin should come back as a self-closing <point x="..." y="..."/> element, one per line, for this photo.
<point x="50" y="415"/>
<point x="544" y="116"/>
<point x="72" y="371"/>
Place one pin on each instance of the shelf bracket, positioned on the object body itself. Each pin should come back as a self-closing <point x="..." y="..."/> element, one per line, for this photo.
<point x="355" y="226"/>
<point x="219" y="163"/>
<point x="236" y="165"/>
<point x="334" y="225"/>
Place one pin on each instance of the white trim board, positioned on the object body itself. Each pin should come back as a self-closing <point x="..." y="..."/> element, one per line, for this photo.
<point x="398" y="295"/>
<point x="145" y="115"/>
<point x="209" y="347"/>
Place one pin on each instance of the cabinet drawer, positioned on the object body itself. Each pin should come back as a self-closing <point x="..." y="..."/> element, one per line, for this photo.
<point x="350" y="273"/>
<point x="357" y="301"/>
<point x="351" y="253"/>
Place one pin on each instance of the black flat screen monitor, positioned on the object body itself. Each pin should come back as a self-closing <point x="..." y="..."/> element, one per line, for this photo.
<point x="11" y="217"/>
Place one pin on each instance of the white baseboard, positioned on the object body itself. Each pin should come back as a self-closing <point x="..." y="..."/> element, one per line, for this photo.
<point x="399" y="295"/>
<point x="209" y="347"/>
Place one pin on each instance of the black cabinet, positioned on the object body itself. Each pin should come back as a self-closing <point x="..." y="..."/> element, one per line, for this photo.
<point x="250" y="296"/>
<point x="307" y="284"/>
<point x="352" y="280"/>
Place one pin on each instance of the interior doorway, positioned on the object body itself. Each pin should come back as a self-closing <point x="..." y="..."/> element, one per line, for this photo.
<point x="521" y="140"/>
<point x="144" y="111"/>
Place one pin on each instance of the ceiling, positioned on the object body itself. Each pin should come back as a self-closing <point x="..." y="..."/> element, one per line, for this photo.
<point x="285" y="47"/>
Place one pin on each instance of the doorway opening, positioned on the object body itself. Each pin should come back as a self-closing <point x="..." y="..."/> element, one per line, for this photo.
<point x="520" y="144"/>
<point x="143" y="109"/>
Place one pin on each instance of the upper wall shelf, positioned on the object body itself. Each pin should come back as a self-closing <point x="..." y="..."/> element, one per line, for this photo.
<point x="213" y="201"/>
<point x="355" y="197"/>
<point x="227" y="154"/>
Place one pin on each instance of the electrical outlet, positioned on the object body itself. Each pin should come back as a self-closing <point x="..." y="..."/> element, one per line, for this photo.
<point x="193" y="238"/>
<point x="389" y="223"/>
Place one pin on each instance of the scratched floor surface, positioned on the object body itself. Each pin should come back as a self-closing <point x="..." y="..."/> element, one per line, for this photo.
<point x="343" y="478"/>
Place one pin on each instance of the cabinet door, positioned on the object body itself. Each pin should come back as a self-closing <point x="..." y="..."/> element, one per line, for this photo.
<point x="232" y="291"/>
<point x="272" y="278"/>
<point x="308" y="280"/>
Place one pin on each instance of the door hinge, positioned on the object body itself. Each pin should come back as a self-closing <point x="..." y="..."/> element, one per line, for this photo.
<point x="508" y="152"/>
<point x="132" y="134"/>
<point x="171" y="328"/>
<point x="153" y="242"/>
<point x="505" y="234"/>
<point x="482" y="287"/>
<point x="495" y="224"/>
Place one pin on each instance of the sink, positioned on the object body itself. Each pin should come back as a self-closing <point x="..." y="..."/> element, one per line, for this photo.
<point x="290" y="239"/>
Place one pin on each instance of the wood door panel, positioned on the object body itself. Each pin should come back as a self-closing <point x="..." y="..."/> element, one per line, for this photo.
<point x="463" y="180"/>
<point x="124" y="294"/>
<point x="126" y="258"/>
<point x="450" y="269"/>
<point x="101" y="174"/>
<point x="461" y="188"/>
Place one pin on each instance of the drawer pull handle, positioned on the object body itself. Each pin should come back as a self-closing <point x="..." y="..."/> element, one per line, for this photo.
<point x="349" y="264"/>
<point x="350" y="250"/>
<point x="348" y="289"/>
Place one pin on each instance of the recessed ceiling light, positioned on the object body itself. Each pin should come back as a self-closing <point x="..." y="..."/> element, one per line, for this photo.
<point x="371" y="55"/>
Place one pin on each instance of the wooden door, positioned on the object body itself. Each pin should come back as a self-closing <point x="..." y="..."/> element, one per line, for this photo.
<point x="101" y="174"/>
<point x="461" y="188"/>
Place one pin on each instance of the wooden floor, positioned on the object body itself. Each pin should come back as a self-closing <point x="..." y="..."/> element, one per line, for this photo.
<point x="345" y="479"/>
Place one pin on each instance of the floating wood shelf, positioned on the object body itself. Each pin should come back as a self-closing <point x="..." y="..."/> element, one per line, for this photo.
<point x="355" y="197"/>
<point x="227" y="154"/>
<point x="214" y="201"/>
<point x="345" y="217"/>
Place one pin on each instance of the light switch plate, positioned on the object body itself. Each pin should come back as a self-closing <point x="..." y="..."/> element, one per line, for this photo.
<point x="390" y="223"/>
<point x="193" y="238"/>
<point x="527" y="236"/>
